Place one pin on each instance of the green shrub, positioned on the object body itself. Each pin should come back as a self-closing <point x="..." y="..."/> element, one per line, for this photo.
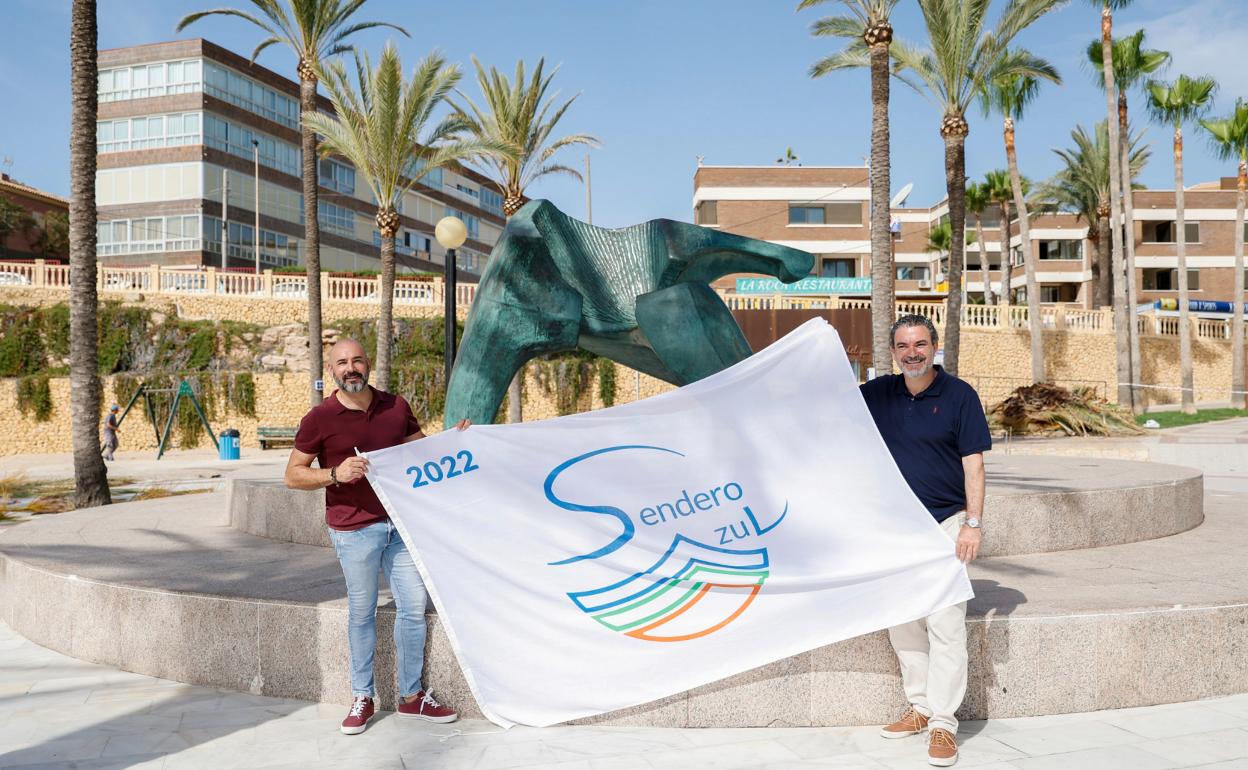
<point x="34" y="395"/>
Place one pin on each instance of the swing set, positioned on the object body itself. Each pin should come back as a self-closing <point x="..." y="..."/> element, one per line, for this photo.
<point x="150" y="407"/>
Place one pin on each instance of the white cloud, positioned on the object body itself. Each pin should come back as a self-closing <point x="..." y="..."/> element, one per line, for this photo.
<point x="1205" y="37"/>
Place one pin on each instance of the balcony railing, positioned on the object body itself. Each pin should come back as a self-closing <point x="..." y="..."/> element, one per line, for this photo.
<point x="155" y="279"/>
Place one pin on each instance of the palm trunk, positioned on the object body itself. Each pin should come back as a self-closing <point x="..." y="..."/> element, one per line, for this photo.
<point x="983" y="258"/>
<point x="1180" y="241"/>
<point x="1104" y="287"/>
<point x="90" y="475"/>
<point x="1096" y="237"/>
<point x="311" y="236"/>
<point x="1006" y="268"/>
<point x="515" y="389"/>
<point x="1029" y="259"/>
<point x="882" y="271"/>
<point x="1133" y="289"/>
<point x="1237" y="313"/>
<point x="955" y="183"/>
<point x="385" y="318"/>
<point x="1118" y="276"/>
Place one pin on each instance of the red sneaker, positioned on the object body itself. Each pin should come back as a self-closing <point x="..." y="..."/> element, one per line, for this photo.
<point x="357" y="718"/>
<point x="423" y="706"/>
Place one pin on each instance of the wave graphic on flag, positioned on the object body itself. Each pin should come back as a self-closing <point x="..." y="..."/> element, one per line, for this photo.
<point x="694" y="589"/>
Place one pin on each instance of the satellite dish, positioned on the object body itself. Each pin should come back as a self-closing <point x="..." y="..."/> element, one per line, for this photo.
<point x="900" y="197"/>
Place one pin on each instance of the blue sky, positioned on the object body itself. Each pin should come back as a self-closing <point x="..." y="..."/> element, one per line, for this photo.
<point x="664" y="82"/>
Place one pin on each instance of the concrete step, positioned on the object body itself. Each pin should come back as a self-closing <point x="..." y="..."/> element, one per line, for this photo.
<point x="168" y="588"/>
<point x="1034" y="504"/>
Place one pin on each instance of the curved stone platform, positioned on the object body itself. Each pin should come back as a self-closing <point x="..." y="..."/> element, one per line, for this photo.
<point x="168" y="588"/>
<point x="1034" y="505"/>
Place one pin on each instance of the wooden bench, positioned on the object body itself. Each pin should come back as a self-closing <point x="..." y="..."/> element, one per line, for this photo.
<point x="271" y="435"/>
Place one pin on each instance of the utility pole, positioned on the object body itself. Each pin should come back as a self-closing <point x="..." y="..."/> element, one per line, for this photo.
<point x="255" y="147"/>
<point x="589" y="200"/>
<point x="225" y="214"/>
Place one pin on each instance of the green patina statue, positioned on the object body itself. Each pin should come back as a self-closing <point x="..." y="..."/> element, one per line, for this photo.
<point x="637" y="295"/>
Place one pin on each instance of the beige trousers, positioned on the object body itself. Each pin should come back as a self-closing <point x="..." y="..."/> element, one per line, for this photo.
<point x="932" y="655"/>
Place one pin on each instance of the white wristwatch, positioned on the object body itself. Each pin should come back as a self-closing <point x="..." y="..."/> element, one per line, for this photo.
<point x="972" y="522"/>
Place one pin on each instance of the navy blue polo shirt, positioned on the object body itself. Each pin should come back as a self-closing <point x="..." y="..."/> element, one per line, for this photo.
<point x="929" y="434"/>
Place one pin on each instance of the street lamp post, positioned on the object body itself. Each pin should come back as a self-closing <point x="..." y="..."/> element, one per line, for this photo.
<point x="255" y="151"/>
<point x="451" y="233"/>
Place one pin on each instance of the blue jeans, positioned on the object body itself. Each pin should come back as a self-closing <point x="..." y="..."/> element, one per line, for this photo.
<point x="363" y="553"/>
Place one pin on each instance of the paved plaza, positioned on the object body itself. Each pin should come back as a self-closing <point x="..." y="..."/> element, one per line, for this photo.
<point x="59" y="712"/>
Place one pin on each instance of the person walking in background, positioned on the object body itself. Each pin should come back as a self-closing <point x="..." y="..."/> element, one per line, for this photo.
<point x="111" y="428"/>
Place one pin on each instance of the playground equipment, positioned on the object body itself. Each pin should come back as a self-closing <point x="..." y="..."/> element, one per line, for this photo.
<point x="162" y="436"/>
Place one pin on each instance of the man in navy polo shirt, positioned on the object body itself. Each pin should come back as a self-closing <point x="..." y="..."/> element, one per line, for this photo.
<point x="934" y="426"/>
<point x="359" y="416"/>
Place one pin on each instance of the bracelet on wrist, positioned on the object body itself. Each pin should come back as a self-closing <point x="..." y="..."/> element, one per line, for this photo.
<point x="333" y="475"/>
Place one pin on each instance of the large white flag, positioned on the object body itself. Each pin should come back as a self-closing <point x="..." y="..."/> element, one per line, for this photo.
<point x="608" y="559"/>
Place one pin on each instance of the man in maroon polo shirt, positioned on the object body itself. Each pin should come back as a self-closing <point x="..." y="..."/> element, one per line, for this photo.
<point x="357" y="416"/>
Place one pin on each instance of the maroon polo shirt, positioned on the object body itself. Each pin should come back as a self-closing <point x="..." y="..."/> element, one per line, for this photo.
<point x="333" y="432"/>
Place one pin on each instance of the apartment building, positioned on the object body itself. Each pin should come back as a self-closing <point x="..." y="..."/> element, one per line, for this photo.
<point x="1209" y="219"/>
<point x="825" y="210"/>
<point x="180" y="122"/>
<point x="36" y="206"/>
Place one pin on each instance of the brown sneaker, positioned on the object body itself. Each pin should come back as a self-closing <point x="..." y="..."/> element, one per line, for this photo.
<point x="942" y="748"/>
<point x="911" y="723"/>
<point x="423" y="706"/>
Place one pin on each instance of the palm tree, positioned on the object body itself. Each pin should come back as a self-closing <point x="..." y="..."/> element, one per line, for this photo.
<point x="517" y="120"/>
<point x="1117" y="280"/>
<point x="964" y="57"/>
<point x="1230" y="139"/>
<point x="1131" y="63"/>
<point x="1186" y="99"/>
<point x="1082" y="187"/>
<point x="377" y="126"/>
<point x="90" y="475"/>
<point x="870" y="33"/>
<point x="314" y="30"/>
<point x="940" y="241"/>
<point x="1010" y="95"/>
<point x="978" y="201"/>
<point x="1001" y="194"/>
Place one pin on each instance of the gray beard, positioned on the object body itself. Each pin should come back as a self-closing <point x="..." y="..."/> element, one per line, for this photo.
<point x="355" y="386"/>
<point x="916" y="375"/>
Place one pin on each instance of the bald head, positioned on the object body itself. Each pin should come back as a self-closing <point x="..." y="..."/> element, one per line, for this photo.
<point x="348" y="364"/>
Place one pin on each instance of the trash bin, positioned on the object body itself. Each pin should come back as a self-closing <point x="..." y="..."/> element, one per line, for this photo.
<point x="228" y="444"/>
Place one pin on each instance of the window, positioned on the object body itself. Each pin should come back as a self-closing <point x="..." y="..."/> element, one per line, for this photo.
<point x="1167" y="279"/>
<point x="844" y="213"/>
<point x="491" y="202"/>
<point x="807" y="215"/>
<point x="913" y="272"/>
<point x="836" y="268"/>
<point x="236" y="140"/>
<point x="1163" y="232"/>
<point x="337" y="176"/>
<point x="839" y="213"/>
<point x="708" y="213"/>
<point x="229" y="86"/>
<point x="1061" y="249"/>
<point x="146" y="80"/>
<point x="472" y="223"/>
<point x="148" y="234"/>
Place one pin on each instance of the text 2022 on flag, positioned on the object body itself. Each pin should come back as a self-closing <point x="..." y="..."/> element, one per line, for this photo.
<point x="608" y="559"/>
